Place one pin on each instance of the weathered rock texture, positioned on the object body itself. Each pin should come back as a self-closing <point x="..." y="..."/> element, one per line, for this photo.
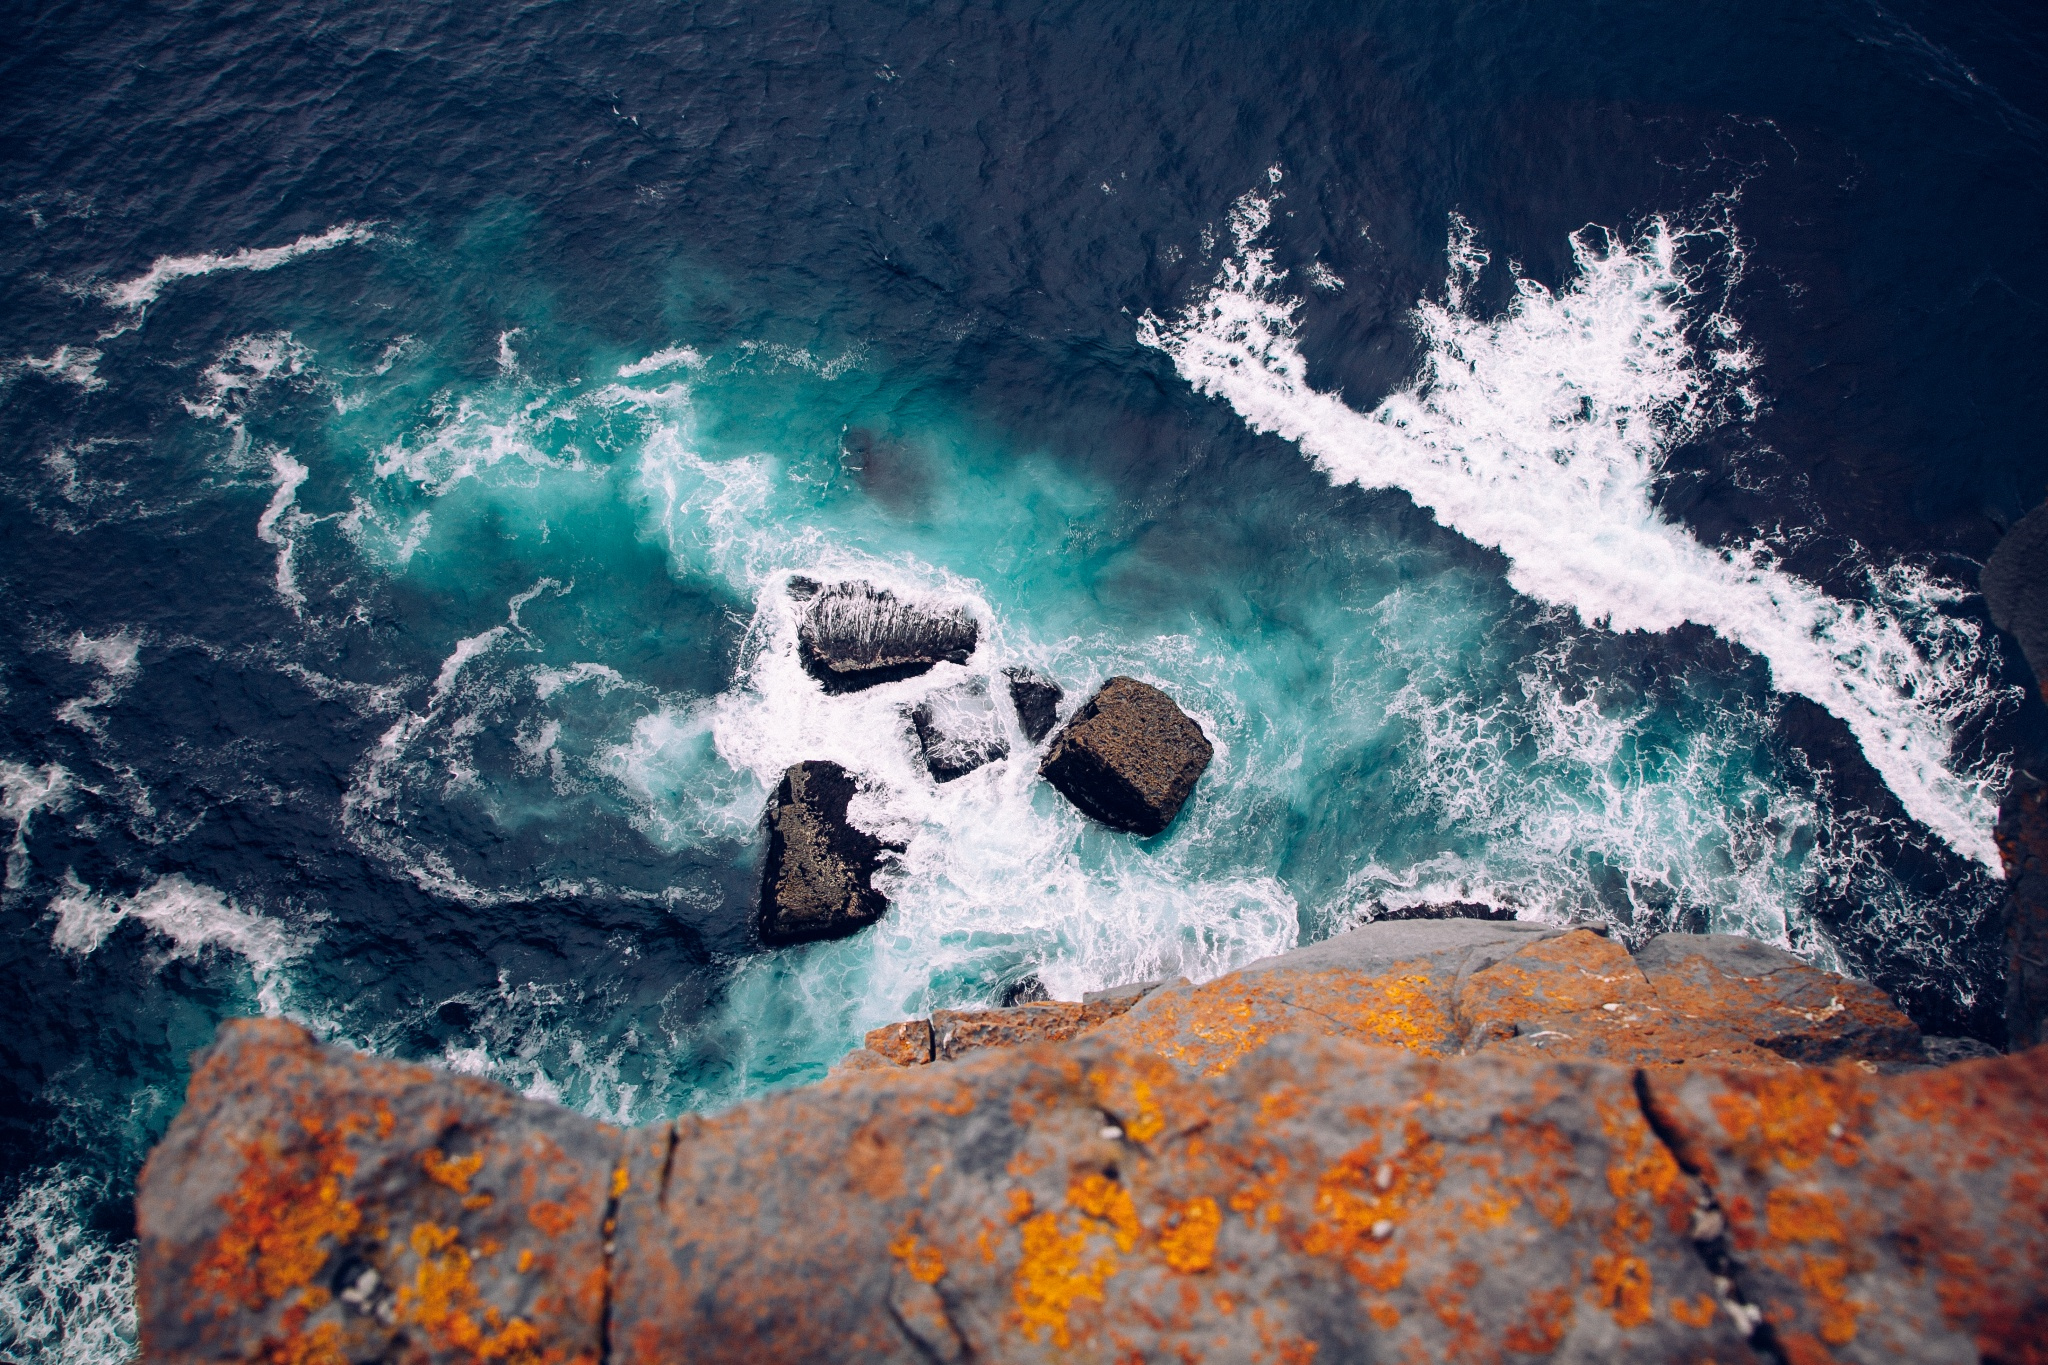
<point x="819" y="879"/>
<point x="2023" y="845"/>
<point x="1129" y="757"/>
<point x="1284" y="1190"/>
<point x="956" y="731"/>
<point x="1037" y="701"/>
<point x="855" y="635"/>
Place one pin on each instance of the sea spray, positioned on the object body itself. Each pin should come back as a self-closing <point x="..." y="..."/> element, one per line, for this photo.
<point x="1542" y="433"/>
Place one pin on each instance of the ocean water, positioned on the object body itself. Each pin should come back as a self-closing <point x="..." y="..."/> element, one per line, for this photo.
<point x="1549" y="452"/>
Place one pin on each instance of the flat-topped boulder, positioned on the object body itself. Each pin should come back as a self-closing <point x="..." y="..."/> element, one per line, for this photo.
<point x="818" y="882"/>
<point x="1129" y="757"/>
<point x="854" y="635"/>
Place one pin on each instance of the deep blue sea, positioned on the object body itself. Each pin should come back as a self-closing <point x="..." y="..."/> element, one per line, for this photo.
<point x="1549" y="448"/>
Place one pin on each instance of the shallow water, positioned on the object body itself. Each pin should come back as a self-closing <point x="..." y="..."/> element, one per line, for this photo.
<point x="1550" y="456"/>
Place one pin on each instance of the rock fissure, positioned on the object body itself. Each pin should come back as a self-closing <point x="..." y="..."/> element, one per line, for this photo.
<point x="1708" y="1234"/>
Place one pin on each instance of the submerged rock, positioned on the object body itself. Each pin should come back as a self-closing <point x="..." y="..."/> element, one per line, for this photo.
<point x="1037" y="701"/>
<point x="1129" y="757"/>
<point x="855" y="635"/>
<point x="956" y="730"/>
<point x="819" y="880"/>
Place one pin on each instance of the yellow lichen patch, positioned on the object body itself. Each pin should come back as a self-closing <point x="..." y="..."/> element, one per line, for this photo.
<point x="1823" y="1277"/>
<point x="621" y="1182"/>
<point x="1623" y="1286"/>
<point x="443" y="1301"/>
<point x="286" y="1203"/>
<point x="1129" y="1094"/>
<point x="1791" y="1118"/>
<point x="321" y="1346"/>
<point x="1107" y="1200"/>
<point x="1399" y="1008"/>
<point x="1188" y="1238"/>
<point x="920" y="1258"/>
<point x="454" y="1172"/>
<point x="1052" y="1277"/>
<point x="1803" y="1216"/>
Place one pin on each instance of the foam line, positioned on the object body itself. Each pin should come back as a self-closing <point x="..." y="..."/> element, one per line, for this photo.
<point x="140" y="291"/>
<point x="1541" y="433"/>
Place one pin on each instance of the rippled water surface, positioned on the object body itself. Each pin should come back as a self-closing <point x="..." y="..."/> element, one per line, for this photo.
<point x="1549" y="451"/>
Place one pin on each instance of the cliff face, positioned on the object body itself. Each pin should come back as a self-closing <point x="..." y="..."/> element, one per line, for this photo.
<point x="1447" y="1141"/>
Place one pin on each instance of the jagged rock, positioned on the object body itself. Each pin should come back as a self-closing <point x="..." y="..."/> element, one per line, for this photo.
<point x="855" y="635"/>
<point x="956" y="730"/>
<point x="1025" y="990"/>
<point x="819" y="879"/>
<point x="2023" y="847"/>
<point x="1129" y="757"/>
<point x="1381" y="911"/>
<point x="1036" y="699"/>
<point x="1321" y="1199"/>
<point x="1790" y="1008"/>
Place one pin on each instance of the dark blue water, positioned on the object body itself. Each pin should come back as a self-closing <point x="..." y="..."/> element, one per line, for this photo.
<point x="1549" y="448"/>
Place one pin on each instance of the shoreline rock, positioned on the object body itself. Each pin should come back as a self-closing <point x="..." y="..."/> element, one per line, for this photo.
<point x="852" y="636"/>
<point x="1129" y="758"/>
<point x="956" y="731"/>
<point x="818" y="881"/>
<point x="1036" y="699"/>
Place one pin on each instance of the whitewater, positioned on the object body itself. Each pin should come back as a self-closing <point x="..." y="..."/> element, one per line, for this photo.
<point x="1541" y="433"/>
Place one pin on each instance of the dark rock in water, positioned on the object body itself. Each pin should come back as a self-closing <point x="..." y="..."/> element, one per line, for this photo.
<point x="2023" y="846"/>
<point x="1129" y="757"/>
<point x="2015" y="586"/>
<point x="819" y="882"/>
<point x="1025" y="990"/>
<point x="1448" y="910"/>
<point x="1037" y="699"/>
<point x="956" y="729"/>
<point x="855" y="635"/>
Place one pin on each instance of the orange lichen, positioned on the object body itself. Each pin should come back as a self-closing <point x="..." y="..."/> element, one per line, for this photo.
<point x="1622" y="1285"/>
<point x="1362" y="1200"/>
<point x="1052" y="1276"/>
<point x="620" y="1181"/>
<point x="1823" y="1277"/>
<point x="1020" y="1206"/>
<point x="321" y="1346"/>
<point x="1188" y="1239"/>
<point x="550" y="1217"/>
<point x="443" y="1301"/>
<point x="1792" y="1118"/>
<point x="1544" y="1325"/>
<point x="1694" y="1312"/>
<point x="1108" y="1201"/>
<point x="961" y="1103"/>
<point x="1132" y="1098"/>
<point x="453" y="1172"/>
<point x="285" y="1204"/>
<point x="920" y="1258"/>
<point x="1803" y="1216"/>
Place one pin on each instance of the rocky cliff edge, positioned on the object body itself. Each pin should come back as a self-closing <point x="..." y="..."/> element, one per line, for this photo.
<point x="1419" y="1141"/>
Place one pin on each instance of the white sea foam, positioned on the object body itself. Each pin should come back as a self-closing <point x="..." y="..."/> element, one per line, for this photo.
<point x="1542" y="433"/>
<point x="192" y="916"/>
<point x="671" y="357"/>
<point x="141" y="290"/>
<point x="67" y="1293"/>
<point x="288" y="474"/>
<point x="118" y="658"/>
<point x="243" y="365"/>
<point x="23" y="792"/>
<point x="74" y="364"/>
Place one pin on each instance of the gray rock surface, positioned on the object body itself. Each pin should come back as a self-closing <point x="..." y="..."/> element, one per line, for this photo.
<point x="956" y="731"/>
<point x="1129" y="757"/>
<point x="818" y="882"/>
<point x="1037" y="701"/>
<point x="855" y="635"/>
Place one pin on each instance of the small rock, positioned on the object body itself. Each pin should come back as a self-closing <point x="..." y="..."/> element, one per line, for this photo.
<point x="819" y="879"/>
<point x="1129" y="757"/>
<point x="1037" y="700"/>
<point x="1025" y="990"/>
<point x="956" y="729"/>
<point x="1380" y="910"/>
<point x="855" y="635"/>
